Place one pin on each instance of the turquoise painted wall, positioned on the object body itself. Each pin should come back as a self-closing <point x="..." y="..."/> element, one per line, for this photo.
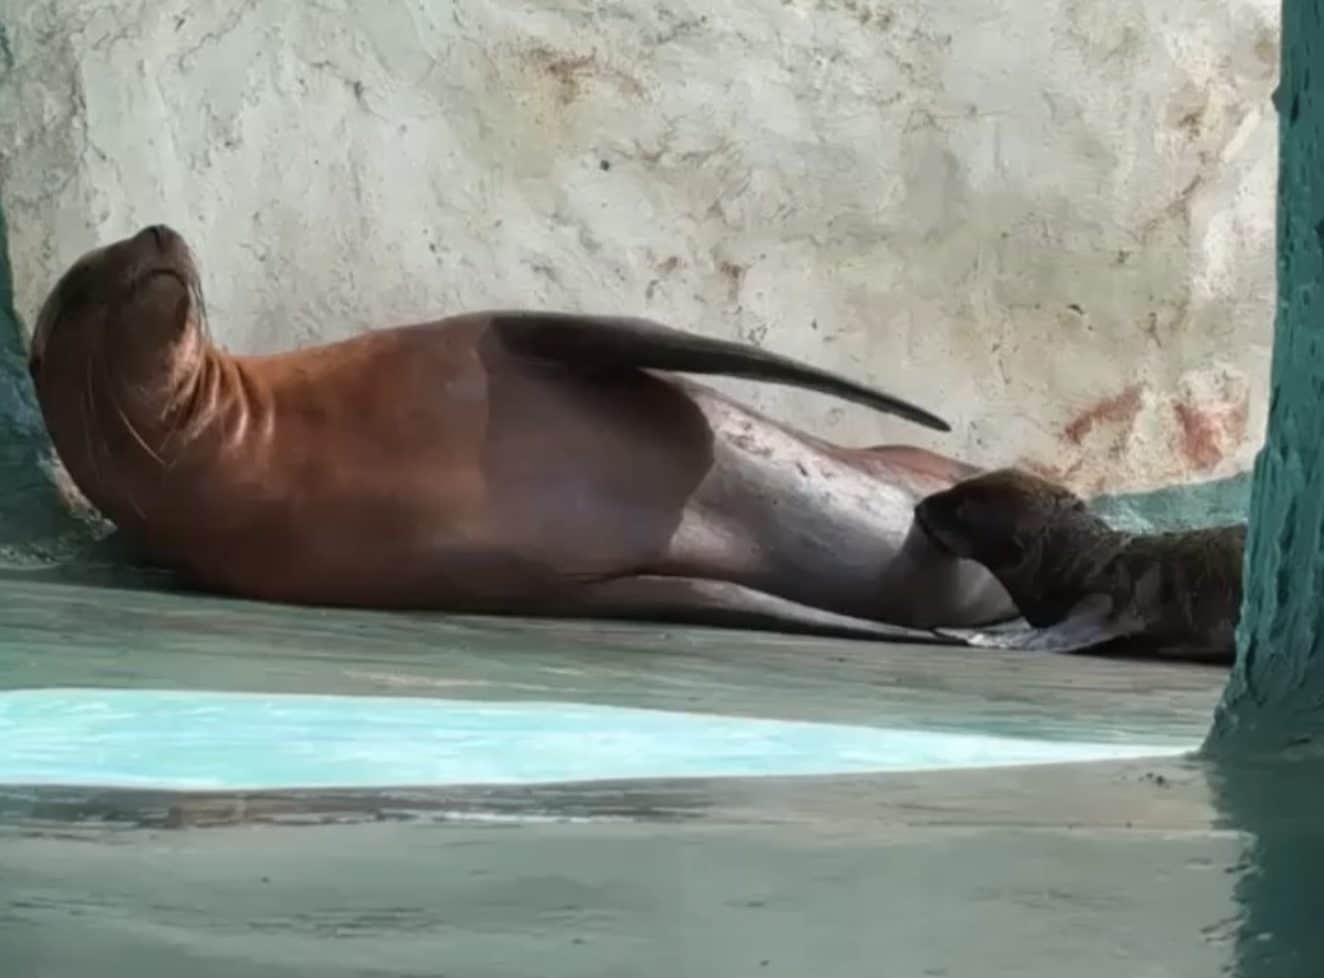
<point x="1275" y="699"/>
<point x="1179" y="507"/>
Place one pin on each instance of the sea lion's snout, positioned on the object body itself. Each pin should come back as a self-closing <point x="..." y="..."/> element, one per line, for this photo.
<point x="160" y="235"/>
<point x="139" y="292"/>
<point x="159" y="246"/>
<point x="942" y="518"/>
<point x="156" y="255"/>
<point x="978" y="519"/>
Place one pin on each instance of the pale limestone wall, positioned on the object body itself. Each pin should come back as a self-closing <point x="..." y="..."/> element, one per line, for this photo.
<point x="1052" y="221"/>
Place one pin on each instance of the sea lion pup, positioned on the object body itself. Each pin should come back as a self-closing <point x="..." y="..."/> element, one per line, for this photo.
<point x="499" y="462"/>
<point x="1081" y="584"/>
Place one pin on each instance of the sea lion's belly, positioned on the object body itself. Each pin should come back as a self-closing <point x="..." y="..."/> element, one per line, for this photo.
<point x="494" y="488"/>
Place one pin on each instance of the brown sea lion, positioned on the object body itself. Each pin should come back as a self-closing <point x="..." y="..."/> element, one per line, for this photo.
<point x="503" y="462"/>
<point x="1081" y="584"/>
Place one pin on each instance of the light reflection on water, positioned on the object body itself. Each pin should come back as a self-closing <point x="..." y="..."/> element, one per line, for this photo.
<point x="194" y="739"/>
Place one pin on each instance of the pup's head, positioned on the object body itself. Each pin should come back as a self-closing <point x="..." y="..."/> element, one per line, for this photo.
<point x="993" y="518"/>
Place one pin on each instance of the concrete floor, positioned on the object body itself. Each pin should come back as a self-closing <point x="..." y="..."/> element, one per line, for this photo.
<point x="1158" y="868"/>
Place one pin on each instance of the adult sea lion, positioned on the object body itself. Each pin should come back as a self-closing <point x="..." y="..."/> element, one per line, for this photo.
<point x="1081" y="584"/>
<point x="504" y="462"/>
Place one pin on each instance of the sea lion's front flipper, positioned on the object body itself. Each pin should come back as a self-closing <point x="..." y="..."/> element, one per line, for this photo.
<point x="617" y="343"/>
<point x="1091" y="622"/>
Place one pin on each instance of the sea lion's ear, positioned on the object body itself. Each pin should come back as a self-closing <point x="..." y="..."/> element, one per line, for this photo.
<point x="1063" y="499"/>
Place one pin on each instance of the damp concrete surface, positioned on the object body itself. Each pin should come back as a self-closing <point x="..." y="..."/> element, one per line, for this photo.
<point x="1157" y="865"/>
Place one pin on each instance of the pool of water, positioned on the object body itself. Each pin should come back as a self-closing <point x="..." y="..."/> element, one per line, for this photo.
<point x="194" y="739"/>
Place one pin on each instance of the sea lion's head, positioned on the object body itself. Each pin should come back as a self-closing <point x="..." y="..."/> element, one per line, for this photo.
<point x="129" y="308"/>
<point x="996" y="517"/>
<point x="116" y="350"/>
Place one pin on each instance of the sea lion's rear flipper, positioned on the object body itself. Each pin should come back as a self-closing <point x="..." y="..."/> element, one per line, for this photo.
<point x="698" y="601"/>
<point x="616" y="343"/>
<point x="1090" y="623"/>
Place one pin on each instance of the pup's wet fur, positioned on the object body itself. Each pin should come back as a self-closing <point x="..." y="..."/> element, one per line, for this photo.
<point x="1080" y="584"/>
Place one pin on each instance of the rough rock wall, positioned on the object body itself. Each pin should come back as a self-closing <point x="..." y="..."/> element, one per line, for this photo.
<point x="1051" y="221"/>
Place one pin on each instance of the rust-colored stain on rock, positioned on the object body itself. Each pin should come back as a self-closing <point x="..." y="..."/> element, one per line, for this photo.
<point x="570" y="72"/>
<point x="734" y="275"/>
<point x="1045" y="470"/>
<point x="1208" y="432"/>
<point x="1120" y="409"/>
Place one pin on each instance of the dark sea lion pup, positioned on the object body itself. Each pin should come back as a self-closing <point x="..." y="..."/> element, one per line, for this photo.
<point x="1081" y="584"/>
<point x="505" y="462"/>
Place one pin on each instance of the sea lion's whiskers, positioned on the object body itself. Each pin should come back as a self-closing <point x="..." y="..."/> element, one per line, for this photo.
<point x="87" y="412"/>
<point x="133" y="431"/>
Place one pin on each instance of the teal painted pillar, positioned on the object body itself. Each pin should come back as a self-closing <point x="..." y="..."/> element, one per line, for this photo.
<point x="1275" y="698"/>
<point x="33" y="520"/>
